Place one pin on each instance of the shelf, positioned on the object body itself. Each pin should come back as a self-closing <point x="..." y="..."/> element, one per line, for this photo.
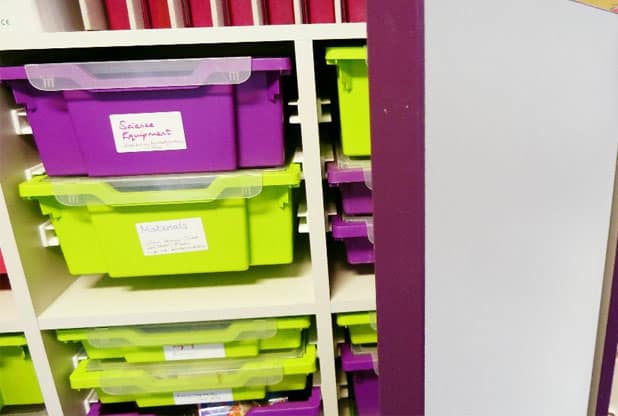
<point x="353" y="288"/>
<point x="184" y="36"/>
<point x="262" y="291"/>
<point x="9" y="321"/>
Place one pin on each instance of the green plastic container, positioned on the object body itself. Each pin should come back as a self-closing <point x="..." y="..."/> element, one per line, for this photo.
<point x="186" y="382"/>
<point x="361" y="325"/>
<point x="353" y="90"/>
<point x="171" y="224"/>
<point x="190" y="341"/>
<point x="18" y="382"/>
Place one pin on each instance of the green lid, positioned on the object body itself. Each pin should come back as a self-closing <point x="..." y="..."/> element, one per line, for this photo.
<point x="12" y="340"/>
<point x="346" y="53"/>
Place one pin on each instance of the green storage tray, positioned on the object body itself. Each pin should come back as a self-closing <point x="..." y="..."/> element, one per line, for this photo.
<point x="353" y="91"/>
<point x="174" y="342"/>
<point x="361" y="325"/>
<point x="289" y="383"/>
<point x="282" y="370"/>
<point x="18" y="382"/>
<point x="171" y="224"/>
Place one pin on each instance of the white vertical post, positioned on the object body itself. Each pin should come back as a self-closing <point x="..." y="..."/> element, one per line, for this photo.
<point x="298" y="11"/>
<point x="25" y="311"/>
<point x="338" y="11"/>
<point x="308" y="114"/>
<point x="257" y="12"/>
<point x="216" y="9"/>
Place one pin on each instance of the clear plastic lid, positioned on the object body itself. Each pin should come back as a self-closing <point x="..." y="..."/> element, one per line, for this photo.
<point x="122" y="378"/>
<point x="140" y="190"/>
<point x="139" y="74"/>
<point x="158" y="189"/>
<point x="175" y="334"/>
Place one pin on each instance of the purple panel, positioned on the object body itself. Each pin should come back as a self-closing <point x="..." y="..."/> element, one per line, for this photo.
<point x="609" y="348"/>
<point x="396" y="34"/>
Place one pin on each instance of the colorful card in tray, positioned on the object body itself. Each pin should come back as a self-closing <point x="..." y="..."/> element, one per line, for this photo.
<point x="608" y="5"/>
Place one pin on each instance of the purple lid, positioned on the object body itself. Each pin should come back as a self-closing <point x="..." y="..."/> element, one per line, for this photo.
<point x="355" y="362"/>
<point x="338" y="175"/>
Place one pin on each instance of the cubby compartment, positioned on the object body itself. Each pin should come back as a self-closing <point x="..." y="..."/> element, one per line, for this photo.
<point x="262" y="364"/>
<point x="67" y="301"/>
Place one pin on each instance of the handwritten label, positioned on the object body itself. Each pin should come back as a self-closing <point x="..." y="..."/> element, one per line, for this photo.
<point x="206" y="396"/>
<point x="148" y="132"/>
<point x="174" y="236"/>
<point x="193" y="351"/>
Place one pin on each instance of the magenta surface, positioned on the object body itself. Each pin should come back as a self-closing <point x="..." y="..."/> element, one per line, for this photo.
<point x="225" y="126"/>
<point x="311" y="407"/>
<point x="319" y="11"/>
<point x="2" y="265"/>
<point x="364" y="380"/>
<point x="355" y="236"/>
<point x="356" y="197"/>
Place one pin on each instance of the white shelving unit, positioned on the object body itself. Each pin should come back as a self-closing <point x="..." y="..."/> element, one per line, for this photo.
<point x="45" y="297"/>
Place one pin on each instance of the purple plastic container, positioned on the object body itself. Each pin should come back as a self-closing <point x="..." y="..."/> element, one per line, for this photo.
<point x="154" y="117"/>
<point x="357" y="235"/>
<point x="364" y="380"/>
<point x="355" y="187"/>
<point x="311" y="407"/>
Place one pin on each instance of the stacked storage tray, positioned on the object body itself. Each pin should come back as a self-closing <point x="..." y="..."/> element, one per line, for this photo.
<point x="18" y="381"/>
<point x="352" y="176"/>
<point x="354" y="226"/>
<point x="351" y="171"/>
<point x="359" y="359"/>
<point x="163" y="225"/>
<point x="154" y="117"/>
<point x="361" y="326"/>
<point x="196" y="381"/>
<point x="194" y="363"/>
<point x="309" y="407"/>
<point x="360" y="362"/>
<point x="353" y="93"/>
<point x="356" y="232"/>
<point x="174" y="342"/>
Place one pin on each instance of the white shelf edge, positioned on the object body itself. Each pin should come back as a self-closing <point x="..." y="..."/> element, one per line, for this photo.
<point x="284" y="290"/>
<point x="185" y="36"/>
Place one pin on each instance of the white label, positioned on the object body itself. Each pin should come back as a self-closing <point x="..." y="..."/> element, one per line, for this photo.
<point x="207" y="396"/>
<point x="148" y="132"/>
<point x="174" y="236"/>
<point x="193" y="351"/>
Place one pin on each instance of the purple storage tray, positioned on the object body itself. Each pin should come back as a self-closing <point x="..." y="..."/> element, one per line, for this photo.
<point x="364" y="380"/>
<point x="311" y="407"/>
<point x="209" y="117"/>
<point x="357" y="235"/>
<point x="356" y="194"/>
